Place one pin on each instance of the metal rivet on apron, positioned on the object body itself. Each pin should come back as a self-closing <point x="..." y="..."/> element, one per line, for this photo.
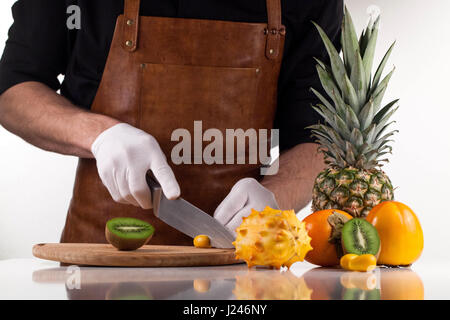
<point x="271" y="51"/>
<point x="129" y="43"/>
<point x="130" y="22"/>
<point x="257" y="70"/>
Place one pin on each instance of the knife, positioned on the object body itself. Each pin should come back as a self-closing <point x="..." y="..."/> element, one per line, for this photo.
<point x="187" y="218"/>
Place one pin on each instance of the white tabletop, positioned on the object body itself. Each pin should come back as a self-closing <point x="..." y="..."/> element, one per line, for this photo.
<point x="38" y="279"/>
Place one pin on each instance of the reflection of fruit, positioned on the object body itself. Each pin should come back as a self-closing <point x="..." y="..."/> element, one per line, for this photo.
<point x="400" y="233"/>
<point x="201" y="285"/>
<point x="359" y="280"/>
<point x="271" y="238"/>
<point x="401" y="284"/>
<point x="324" y="283"/>
<point x="128" y="233"/>
<point x="128" y="291"/>
<point x="260" y="285"/>
<point x="356" y="132"/>
<point x="325" y="239"/>
<point x="358" y="294"/>
<point x="360" y="237"/>
<point x="202" y="241"/>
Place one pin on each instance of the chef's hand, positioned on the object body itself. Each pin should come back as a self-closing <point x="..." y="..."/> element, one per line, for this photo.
<point x="124" y="154"/>
<point x="246" y="194"/>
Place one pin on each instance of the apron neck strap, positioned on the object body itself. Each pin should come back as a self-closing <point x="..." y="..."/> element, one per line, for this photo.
<point x="131" y="25"/>
<point x="274" y="30"/>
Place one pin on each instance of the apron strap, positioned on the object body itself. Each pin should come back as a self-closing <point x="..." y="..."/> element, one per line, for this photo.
<point x="274" y="30"/>
<point x="131" y="25"/>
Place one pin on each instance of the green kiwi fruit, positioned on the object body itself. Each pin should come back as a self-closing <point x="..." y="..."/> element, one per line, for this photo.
<point x="128" y="233"/>
<point x="360" y="237"/>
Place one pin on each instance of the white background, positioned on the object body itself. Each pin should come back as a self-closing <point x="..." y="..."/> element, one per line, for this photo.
<point x="36" y="186"/>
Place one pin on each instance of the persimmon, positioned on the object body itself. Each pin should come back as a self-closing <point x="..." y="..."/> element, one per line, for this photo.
<point x="400" y="233"/>
<point x="325" y="238"/>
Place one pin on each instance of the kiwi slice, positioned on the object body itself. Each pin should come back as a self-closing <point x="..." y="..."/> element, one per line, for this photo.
<point x="128" y="233"/>
<point x="360" y="237"/>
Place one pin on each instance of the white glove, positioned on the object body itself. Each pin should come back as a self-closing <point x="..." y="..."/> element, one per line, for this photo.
<point x="124" y="154"/>
<point x="245" y="195"/>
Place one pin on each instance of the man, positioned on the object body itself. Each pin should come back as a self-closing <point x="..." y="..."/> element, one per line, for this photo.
<point x="168" y="63"/>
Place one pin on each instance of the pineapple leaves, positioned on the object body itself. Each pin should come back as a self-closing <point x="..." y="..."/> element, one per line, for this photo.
<point x="330" y="86"/>
<point x="369" y="133"/>
<point x="379" y="72"/>
<point x="323" y="100"/>
<point x="380" y="115"/>
<point x="321" y="63"/>
<point x="328" y="132"/>
<point x="342" y="127"/>
<point x="369" y="51"/>
<point x="366" y="115"/>
<point x="382" y="128"/>
<point x="349" y="94"/>
<point x="350" y="45"/>
<point x="351" y="118"/>
<point x="378" y="94"/>
<point x="325" y="113"/>
<point x="354" y="64"/>
<point x="337" y="65"/>
<point x="356" y="125"/>
<point x="383" y="138"/>
<point x="357" y="138"/>
<point x="366" y="35"/>
<point x="360" y="80"/>
<point x="350" y="152"/>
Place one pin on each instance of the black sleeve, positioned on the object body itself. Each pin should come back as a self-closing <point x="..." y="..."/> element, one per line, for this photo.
<point x="298" y="72"/>
<point x="36" y="49"/>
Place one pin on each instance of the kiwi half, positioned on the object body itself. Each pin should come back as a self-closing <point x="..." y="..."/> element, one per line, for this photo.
<point x="128" y="233"/>
<point x="360" y="237"/>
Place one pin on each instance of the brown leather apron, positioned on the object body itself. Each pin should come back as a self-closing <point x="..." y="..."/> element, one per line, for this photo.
<point x="165" y="73"/>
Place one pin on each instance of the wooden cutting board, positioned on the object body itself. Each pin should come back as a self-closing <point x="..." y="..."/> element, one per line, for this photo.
<point x="147" y="256"/>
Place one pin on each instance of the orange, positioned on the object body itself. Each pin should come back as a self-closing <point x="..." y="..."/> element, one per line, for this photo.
<point x="324" y="253"/>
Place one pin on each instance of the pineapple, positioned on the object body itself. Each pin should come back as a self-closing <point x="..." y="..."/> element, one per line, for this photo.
<point x="272" y="238"/>
<point x="355" y="134"/>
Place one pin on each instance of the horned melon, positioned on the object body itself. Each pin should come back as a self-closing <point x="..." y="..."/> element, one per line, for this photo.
<point x="272" y="238"/>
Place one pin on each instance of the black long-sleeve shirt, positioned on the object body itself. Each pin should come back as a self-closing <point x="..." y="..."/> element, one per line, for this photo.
<point x="40" y="47"/>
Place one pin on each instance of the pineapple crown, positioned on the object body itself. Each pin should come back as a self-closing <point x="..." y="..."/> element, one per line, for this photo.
<point x="355" y="130"/>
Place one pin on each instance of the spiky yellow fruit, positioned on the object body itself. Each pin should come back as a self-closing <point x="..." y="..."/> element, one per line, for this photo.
<point x="273" y="238"/>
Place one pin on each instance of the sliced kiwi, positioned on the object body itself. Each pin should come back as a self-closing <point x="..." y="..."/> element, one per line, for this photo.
<point x="360" y="237"/>
<point x="128" y="233"/>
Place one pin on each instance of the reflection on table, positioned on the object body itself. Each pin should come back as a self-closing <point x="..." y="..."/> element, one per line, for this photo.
<point x="233" y="282"/>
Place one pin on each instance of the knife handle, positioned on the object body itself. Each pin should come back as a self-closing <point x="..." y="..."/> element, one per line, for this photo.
<point x="155" y="190"/>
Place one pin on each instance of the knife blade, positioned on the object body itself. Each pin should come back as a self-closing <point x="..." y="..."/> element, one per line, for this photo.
<point x="187" y="218"/>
